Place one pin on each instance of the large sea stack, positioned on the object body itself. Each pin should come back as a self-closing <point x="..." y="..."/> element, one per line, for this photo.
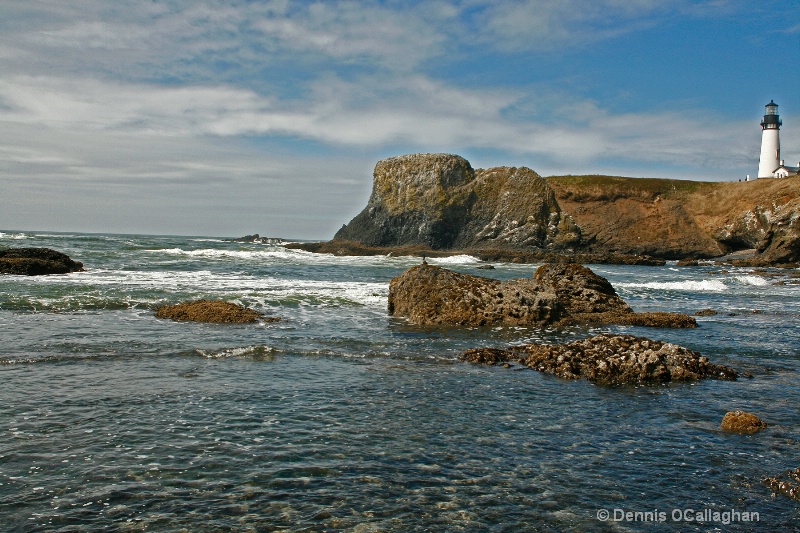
<point x="440" y="201"/>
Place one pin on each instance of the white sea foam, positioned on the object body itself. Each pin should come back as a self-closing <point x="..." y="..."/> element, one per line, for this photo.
<point x="13" y="236"/>
<point x="755" y="281"/>
<point x="454" y="260"/>
<point x="245" y="351"/>
<point x="706" y="285"/>
<point x="267" y="290"/>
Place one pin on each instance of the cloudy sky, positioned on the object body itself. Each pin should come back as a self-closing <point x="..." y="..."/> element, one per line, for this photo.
<point x="226" y="118"/>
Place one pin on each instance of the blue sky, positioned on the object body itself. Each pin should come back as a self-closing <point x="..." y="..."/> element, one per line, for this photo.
<point x="227" y="118"/>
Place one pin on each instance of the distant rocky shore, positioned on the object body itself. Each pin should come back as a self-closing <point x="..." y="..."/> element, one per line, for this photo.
<point x="425" y="204"/>
<point x="36" y="262"/>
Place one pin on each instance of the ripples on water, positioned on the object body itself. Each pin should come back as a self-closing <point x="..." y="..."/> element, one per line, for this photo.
<point x="339" y="418"/>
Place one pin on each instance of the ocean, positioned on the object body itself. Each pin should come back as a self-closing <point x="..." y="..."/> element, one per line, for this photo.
<point x="341" y="418"/>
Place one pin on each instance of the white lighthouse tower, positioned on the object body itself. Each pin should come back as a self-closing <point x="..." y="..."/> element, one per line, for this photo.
<point x="770" y="143"/>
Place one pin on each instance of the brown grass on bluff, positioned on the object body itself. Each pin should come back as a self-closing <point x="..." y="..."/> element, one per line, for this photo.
<point x="211" y="311"/>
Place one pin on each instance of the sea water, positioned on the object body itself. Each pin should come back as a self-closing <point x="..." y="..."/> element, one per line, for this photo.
<point x="341" y="418"/>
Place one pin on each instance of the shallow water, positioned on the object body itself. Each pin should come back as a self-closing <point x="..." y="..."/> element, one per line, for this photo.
<point x="339" y="418"/>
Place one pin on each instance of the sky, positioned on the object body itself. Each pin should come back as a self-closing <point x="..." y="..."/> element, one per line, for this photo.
<point x="226" y="118"/>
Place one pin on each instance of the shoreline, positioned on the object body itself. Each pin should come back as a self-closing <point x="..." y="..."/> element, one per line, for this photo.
<point x="748" y="258"/>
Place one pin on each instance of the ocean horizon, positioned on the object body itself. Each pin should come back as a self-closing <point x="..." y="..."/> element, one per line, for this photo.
<point x="339" y="417"/>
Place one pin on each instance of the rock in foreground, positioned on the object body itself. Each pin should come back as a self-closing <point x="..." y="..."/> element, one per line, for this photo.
<point x="36" y="262"/>
<point x="560" y="294"/>
<point x="741" y="422"/>
<point x="787" y="484"/>
<point x="609" y="360"/>
<point x="212" y="311"/>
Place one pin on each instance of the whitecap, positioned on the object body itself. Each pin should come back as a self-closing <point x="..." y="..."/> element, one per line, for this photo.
<point x="13" y="236"/>
<point x="454" y="260"/>
<point x="755" y="281"/>
<point x="706" y="285"/>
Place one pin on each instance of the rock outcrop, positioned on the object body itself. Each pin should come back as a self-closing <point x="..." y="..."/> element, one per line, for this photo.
<point x="440" y="201"/>
<point x="215" y="311"/>
<point x="742" y="422"/>
<point x="787" y="484"/>
<point x="36" y="262"/>
<point x="609" y="360"/>
<point x="678" y="219"/>
<point x="559" y="294"/>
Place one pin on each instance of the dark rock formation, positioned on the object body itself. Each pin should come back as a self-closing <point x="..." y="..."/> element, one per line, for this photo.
<point x="212" y="311"/>
<point x="742" y="422"/>
<point x="440" y="201"/>
<point x="608" y="359"/>
<point x="557" y="294"/>
<point x="787" y="484"/>
<point x="36" y="262"/>
<point x="706" y="312"/>
<point x="259" y="239"/>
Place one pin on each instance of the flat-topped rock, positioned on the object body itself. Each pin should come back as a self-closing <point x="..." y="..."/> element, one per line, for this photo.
<point x="36" y="262"/>
<point x="212" y="311"/>
<point x="608" y="359"/>
<point x="560" y="294"/>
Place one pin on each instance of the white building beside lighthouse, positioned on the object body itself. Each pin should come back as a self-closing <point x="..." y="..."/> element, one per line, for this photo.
<point x="770" y="142"/>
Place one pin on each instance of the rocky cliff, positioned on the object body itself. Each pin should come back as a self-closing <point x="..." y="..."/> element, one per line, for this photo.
<point x="681" y="218"/>
<point x="440" y="201"/>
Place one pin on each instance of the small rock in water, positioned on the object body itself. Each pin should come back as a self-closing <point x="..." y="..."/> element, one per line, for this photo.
<point x="742" y="422"/>
<point x="706" y="312"/>
<point x="36" y="262"/>
<point x="212" y="311"/>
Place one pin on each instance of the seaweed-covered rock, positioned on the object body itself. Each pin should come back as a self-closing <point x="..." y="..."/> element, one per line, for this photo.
<point x="36" y="262"/>
<point x="609" y="359"/>
<point x="557" y="294"/>
<point x="212" y="311"/>
<point x="742" y="422"/>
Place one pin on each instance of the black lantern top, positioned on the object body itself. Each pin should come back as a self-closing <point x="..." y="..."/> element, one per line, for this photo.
<point x="771" y="118"/>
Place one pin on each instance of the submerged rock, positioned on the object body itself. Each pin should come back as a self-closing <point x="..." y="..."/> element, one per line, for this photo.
<point x="742" y="422"/>
<point x="609" y="359"/>
<point x="787" y="484"/>
<point x="212" y="311"/>
<point x="559" y="294"/>
<point x="36" y="262"/>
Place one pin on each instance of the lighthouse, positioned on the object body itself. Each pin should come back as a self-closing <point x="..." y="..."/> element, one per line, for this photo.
<point x="770" y="143"/>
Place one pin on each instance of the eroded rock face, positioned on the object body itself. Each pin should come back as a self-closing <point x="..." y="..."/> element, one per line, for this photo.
<point x="211" y="311"/>
<point x="440" y="201"/>
<point x="36" y="262"/>
<point x="609" y="359"/>
<point x="742" y="422"/>
<point x="560" y="294"/>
